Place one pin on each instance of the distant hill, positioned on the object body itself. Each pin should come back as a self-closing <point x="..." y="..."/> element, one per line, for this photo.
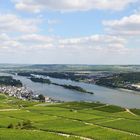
<point x="71" y="67"/>
<point x="57" y="67"/>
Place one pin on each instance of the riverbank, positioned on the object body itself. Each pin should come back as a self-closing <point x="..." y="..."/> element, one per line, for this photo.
<point x="101" y="94"/>
<point x="129" y="91"/>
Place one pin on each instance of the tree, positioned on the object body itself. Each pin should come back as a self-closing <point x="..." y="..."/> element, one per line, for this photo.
<point x="41" y="98"/>
<point x="10" y="126"/>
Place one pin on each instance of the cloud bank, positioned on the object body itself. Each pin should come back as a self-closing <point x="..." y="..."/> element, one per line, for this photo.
<point x="37" y="6"/>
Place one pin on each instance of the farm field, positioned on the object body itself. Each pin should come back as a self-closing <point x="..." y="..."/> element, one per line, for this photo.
<point x="26" y="120"/>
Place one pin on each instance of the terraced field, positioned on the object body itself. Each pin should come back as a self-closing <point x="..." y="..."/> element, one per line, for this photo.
<point x="22" y="120"/>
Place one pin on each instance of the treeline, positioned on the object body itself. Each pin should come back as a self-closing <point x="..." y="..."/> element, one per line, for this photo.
<point x="40" y="80"/>
<point x="61" y="75"/>
<point x="71" y="87"/>
<point x="122" y="80"/>
<point x="24" y="74"/>
<point x="130" y="77"/>
<point x="9" y="81"/>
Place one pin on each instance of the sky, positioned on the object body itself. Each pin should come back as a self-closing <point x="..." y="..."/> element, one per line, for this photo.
<point x="70" y="31"/>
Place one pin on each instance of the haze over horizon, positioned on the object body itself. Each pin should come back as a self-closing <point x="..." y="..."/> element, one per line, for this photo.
<point x="70" y="31"/>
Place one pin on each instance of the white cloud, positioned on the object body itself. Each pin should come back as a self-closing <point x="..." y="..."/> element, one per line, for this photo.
<point x="70" y="5"/>
<point x="13" y="23"/>
<point x="128" y="26"/>
<point x="35" y="48"/>
<point x="35" y="38"/>
<point x="98" y="42"/>
<point x="53" y="21"/>
<point x="41" y="42"/>
<point x="7" y="42"/>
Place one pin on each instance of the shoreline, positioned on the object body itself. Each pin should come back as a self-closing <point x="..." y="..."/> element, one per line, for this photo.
<point x="123" y="104"/>
<point x="120" y="89"/>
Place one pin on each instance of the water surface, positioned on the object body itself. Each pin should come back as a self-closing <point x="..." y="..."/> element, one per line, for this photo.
<point x="130" y="99"/>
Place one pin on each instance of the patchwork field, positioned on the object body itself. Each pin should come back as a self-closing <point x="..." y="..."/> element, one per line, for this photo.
<point x="22" y="120"/>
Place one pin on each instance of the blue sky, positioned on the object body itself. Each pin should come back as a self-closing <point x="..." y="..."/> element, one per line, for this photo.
<point x="70" y="31"/>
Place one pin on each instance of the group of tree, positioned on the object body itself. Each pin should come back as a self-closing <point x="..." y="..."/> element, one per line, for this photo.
<point x="9" y="81"/>
<point x="21" y="125"/>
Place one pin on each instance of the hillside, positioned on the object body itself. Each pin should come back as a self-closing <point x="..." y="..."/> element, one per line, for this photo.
<point x="26" y="120"/>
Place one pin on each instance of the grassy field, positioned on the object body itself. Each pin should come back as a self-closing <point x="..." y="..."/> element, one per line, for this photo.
<point x="22" y="120"/>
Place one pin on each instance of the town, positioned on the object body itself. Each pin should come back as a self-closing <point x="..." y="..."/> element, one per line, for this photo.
<point x="25" y="94"/>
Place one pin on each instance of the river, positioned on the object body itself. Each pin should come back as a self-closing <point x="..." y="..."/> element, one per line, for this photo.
<point x="130" y="99"/>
